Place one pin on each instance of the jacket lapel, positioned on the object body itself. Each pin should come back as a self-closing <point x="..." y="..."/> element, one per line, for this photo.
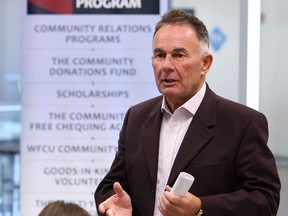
<point x="195" y="139"/>
<point x="198" y="135"/>
<point x="150" y="136"/>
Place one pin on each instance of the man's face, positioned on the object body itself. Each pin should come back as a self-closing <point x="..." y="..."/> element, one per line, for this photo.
<point x="179" y="65"/>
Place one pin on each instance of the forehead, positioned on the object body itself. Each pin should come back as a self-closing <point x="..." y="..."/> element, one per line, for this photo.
<point x="175" y="36"/>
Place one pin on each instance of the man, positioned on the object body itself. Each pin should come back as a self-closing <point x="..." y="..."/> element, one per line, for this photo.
<point x="221" y="143"/>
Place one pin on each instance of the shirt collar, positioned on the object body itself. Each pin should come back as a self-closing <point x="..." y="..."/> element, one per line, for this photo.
<point x="191" y="105"/>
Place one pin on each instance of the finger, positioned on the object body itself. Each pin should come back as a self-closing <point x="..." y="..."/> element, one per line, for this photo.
<point x="163" y="202"/>
<point x="118" y="189"/>
<point x="168" y="188"/>
<point x="102" y="208"/>
<point x="109" y="212"/>
<point x="160" y="206"/>
<point x="167" y="208"/>
<point x="164" y="206"/>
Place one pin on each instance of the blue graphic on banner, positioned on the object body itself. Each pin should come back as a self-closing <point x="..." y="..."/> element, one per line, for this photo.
<point x="217" y="38"/>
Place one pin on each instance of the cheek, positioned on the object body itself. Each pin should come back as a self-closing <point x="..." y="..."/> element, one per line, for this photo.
<point x="193" y="70"/>
<point x="156" y="70"/>
<point x="191" y="76"/>
<point x="157" y="77"/>
<point x="154" y="64"/>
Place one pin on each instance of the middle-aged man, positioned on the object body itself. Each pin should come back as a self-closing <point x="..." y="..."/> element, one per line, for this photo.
<point x="189" y="128"/>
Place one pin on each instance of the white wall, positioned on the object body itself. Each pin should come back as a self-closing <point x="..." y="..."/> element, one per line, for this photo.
<point x="274" y="72"/>
<point x="224" y="75"/>
<point x="274" y="88"/>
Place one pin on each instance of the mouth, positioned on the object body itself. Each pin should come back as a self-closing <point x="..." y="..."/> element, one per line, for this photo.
<point x="168" y="81"/>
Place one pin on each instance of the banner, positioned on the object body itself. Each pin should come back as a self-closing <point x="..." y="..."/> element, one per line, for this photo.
<point x="85" y="62"/>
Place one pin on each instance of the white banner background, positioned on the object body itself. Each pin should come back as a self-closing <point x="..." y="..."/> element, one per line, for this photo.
<point x="70" y="123"/>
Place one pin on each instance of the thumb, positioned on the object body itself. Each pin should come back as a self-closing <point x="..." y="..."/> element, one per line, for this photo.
<point x="118" y="189"/>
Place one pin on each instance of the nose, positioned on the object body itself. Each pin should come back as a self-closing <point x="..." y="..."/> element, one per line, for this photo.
<point x="167" y="63"/>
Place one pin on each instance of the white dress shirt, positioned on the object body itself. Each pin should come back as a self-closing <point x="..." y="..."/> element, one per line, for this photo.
<point x="173" y="129"/>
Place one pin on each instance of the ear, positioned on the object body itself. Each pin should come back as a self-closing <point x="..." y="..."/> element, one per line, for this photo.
<point x="207" y="62"/>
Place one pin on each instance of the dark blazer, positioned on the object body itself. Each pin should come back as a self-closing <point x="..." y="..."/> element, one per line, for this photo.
<point x="225" y="149"/>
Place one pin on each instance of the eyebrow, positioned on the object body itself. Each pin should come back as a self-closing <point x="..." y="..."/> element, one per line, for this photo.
<point x="156" y="50"/>
<point x="179" y="49"/>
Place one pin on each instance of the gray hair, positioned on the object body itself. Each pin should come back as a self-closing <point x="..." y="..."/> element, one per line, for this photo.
<point x="175" y="16"/>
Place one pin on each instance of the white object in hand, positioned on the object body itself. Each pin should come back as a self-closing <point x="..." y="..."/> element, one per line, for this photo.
<point x="182" y="184"/>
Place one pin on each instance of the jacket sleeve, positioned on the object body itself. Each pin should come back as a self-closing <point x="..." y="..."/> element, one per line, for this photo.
<point x="116" y="173"/>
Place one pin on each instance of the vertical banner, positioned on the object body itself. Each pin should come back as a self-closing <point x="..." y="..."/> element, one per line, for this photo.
<point x="85" y="62"/>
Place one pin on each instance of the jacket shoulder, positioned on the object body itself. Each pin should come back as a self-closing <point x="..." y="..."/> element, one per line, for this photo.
<point x="148" y="104"/>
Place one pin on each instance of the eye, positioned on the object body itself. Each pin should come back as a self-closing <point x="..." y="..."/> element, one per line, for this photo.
<point x="178" y="55"/>
<point x="159" y="55"/>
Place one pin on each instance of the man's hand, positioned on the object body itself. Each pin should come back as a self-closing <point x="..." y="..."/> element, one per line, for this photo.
<point x="171" y="205"/>
<point x="117" y="205"/>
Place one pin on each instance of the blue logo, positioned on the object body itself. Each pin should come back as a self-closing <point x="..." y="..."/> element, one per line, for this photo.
<point x="217" y="38"/>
